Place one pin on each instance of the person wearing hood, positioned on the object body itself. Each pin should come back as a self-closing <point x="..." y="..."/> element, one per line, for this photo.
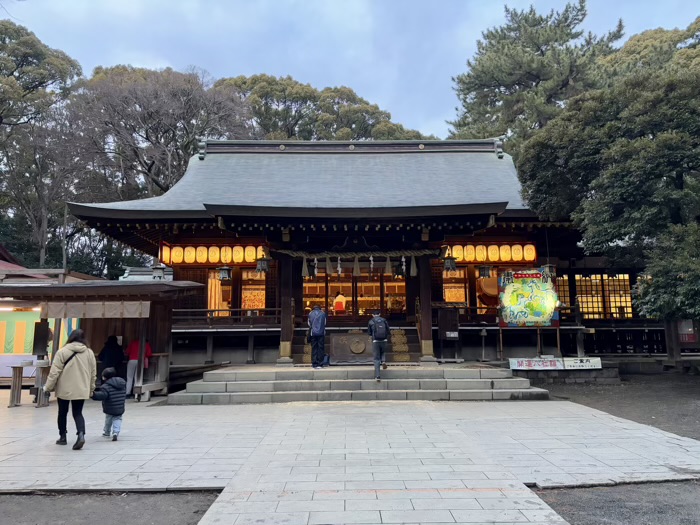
<point x="72" y="376"/>
<point x="112" y="393"/>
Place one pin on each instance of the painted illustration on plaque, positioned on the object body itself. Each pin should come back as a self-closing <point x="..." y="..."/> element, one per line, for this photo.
<point x="527" y="298"/>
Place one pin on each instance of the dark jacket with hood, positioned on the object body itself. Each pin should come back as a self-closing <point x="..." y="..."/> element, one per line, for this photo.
<point x="112" y="393"/>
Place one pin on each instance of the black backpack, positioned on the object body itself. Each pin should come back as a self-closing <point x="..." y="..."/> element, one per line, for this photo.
<point x="380" y="331"/>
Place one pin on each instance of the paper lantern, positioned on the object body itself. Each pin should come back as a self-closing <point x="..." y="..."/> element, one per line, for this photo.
<point x="493" y="253"/>
<point x="201" y="254"/>
<point x="261" y="252"/>
<point x="165" y="254"/>
<point x="505" y="253"/>
<point x="469" y="253"/>
<point x="214" y="254"/>
<point x="190" y="254"/>
<point x="529" y="252"/>
<point x="238" y="253"/>
<point x="458" y="253"/>
<point x="481" y="253"/>
<point x="226" y="254"/>
<point x="516" y="252"/>
<point x="178" y="255"/>
<point x="250" y="254"/>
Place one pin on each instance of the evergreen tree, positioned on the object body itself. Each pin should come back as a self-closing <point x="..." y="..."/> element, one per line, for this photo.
<point x="525" y="71"/>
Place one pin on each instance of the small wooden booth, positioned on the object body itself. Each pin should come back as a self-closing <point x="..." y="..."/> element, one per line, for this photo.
<point x="134" y="311"/>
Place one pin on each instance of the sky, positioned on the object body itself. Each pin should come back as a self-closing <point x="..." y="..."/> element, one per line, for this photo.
<point x="399" y="54"/>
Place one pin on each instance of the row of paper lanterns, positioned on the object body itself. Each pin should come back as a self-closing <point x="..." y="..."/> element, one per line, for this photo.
<point x="494" y="253"/>
<point x="210" y="254"/>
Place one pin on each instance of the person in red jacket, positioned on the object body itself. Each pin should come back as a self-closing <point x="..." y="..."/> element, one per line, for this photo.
<point x="132" y="355"/>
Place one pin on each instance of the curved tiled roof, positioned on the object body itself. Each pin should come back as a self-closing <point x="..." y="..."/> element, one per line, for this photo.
<point x="329" y="177"/>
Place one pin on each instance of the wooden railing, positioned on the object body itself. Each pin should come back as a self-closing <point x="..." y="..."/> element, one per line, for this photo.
<point x="568" y="315"/>
<point x="232" y="317"/>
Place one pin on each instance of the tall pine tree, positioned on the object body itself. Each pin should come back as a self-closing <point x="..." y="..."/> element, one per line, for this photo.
<point x="524" y="72"/>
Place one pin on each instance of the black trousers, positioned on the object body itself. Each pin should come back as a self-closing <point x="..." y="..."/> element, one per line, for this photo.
<point x="318" y="352"/>
<point x="77" y="406"/>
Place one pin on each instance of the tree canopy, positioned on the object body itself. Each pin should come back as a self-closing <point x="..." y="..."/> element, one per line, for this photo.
<point x="671" y="288"/>
<point x="32" y="75"/>
<point x="624" y="162"/>
<point x="285" y="109"/>
<point x="525" y="71"/>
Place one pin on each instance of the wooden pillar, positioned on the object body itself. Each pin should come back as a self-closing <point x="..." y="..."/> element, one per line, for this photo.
<point x="287" y="311"/>
<point x="138" y="380"/>
<point x="251" y="350"/>
<point x="210" y="349"/>
<point x="426" y="313"/>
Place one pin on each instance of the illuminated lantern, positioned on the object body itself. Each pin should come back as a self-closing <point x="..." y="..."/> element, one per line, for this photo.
<point x="250" y="254"/>
<point x="469" y="253"/>
<point x="505" y="253"/>
<point x="178" y="255"/>
<point x="202" y="254"/>
<point x="458" y="253"/>
<point x="261" y="252"/>
<point x="190" y="254"/>
<point x="529" y="252"/>
<point x="214" y="254"/>
<point x="493" y="253"/>
<point x="238" y="254"/>
<point x="516" y="252"/>
<point x="226" y="254"/>
<point x="481" y="253"/>
<point x="165" y="254"/>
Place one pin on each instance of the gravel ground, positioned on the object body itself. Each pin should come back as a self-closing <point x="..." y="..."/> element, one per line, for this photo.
<point x="167" y="508"/>
<point x="670" y="402"/>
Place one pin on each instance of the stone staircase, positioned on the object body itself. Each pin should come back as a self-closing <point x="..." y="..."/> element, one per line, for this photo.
<point x="404" y="346"/>
<point x="355" y="383"/>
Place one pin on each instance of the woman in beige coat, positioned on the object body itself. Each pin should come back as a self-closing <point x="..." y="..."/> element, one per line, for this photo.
<point x="72" y="376"/>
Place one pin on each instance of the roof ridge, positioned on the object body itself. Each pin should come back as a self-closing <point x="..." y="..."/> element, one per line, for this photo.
<point x="491" y="145"/>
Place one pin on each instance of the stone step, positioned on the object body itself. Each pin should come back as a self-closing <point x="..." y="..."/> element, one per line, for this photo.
<point x="320" y="385"/>
<point x="355" y="372"/>
<point x="191" y="398"/>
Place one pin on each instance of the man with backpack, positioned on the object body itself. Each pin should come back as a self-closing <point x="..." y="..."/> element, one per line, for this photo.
<point x="378" y="328"/>
<point x="317" y="334"/>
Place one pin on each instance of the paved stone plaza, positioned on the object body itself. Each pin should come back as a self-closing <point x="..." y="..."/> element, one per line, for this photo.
<point x="355" y="462"/>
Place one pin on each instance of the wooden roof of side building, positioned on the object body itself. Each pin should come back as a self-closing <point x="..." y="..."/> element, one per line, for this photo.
<point x="332" y="179"/>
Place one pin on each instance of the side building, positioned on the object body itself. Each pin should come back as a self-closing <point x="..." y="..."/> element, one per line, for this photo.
<point x="421" y="231"/>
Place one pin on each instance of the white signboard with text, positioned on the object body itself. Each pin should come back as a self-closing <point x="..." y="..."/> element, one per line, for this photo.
<point x="582" y="363"/>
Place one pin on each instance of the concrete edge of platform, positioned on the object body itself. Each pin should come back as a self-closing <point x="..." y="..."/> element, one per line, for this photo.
<point x="611" y="483"/>
<point x="103" y="490"/>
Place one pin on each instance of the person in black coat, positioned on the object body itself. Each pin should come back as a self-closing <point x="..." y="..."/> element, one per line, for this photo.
<point x="112" y="393"/>
<point x="112" y="354"/>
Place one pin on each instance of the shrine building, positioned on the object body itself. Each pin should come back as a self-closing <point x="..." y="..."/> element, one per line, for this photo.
<point x="419" y="230"/>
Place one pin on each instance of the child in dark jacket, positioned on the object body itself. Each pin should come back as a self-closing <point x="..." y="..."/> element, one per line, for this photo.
<point x="112" y="393"/>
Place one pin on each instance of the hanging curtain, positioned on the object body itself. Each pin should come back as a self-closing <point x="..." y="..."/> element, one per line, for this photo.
<point x="215" y="294"/>
<point x="414" y="266"/>
<point x="329" y="266"/>
<point x="388" y="270"/>
<point x="304" y="269"/>
<point x="356" y="268"/>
